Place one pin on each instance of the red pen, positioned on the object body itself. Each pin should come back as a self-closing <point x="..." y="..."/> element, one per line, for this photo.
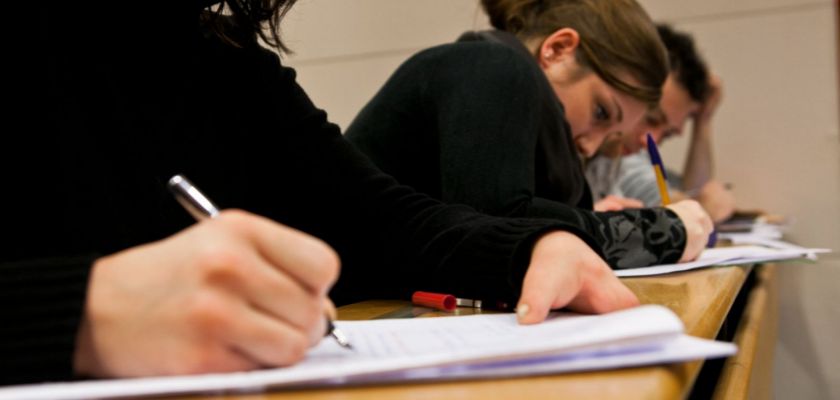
<point x="445" y="302"/>
<point x="448" y="302"/>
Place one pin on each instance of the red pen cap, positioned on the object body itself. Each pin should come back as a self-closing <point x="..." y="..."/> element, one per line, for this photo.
<point x="445" y="302"/>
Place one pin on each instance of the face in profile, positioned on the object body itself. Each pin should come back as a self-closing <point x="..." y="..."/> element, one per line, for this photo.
<point x="594" y="109"/>
<point x="675" y="108"/>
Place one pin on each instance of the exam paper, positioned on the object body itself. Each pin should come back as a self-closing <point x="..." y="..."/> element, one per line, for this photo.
<point x="749" y="254"/>
<point x="437" y="348"/>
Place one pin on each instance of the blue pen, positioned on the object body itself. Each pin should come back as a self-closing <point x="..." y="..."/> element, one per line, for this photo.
<point x="659" y="170"/>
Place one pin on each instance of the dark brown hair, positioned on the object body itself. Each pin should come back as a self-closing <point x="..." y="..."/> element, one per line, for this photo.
<point x="686" y="63"/>
<point x="616" y="36"/>
<point x="250" y="19"/>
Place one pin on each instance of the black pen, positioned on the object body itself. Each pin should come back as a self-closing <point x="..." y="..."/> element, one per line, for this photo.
<point x="200" y="207"/>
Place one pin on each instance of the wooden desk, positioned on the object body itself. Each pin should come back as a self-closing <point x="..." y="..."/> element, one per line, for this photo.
<point x="701" y="298"/>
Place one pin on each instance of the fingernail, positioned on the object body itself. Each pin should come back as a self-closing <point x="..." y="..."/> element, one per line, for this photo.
<point x="522" y="311"/>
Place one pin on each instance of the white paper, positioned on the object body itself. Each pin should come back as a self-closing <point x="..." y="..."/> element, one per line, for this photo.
<point x="730" y="256"/>
<point x="435" y="348"/>
<point x="677" y="349"/>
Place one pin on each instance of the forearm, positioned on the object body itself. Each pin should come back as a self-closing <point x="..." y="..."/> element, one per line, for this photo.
<point x="625" y="238"/>
<point x="699" y="165"/>
<point x="42" y="303"/>
<point x="394" y="240"/>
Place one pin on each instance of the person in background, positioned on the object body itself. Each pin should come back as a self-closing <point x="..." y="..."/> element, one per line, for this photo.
<point x="105" y="275"/>
<point x="691" y="93"/>
<point x="496" y="120"/>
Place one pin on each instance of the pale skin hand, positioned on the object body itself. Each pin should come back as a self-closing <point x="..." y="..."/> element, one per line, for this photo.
<point x="616" y="203"/>
<point x="717" y="200"/>
<point x="233" y="293"/>
<point x="565" y="272"/>
<point x="698" y="227"/>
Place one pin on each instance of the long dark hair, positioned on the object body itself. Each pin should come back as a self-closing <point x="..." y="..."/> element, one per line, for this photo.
<point x="250" y="19"/>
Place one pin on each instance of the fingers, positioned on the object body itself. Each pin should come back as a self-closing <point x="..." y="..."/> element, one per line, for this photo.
<point x="266" y="341"/>
<point x="280" y="276"/>
<point x="255" y="338"/>
<point x="565" y="271"/>
<point x="546" y="286"/>
<point x="278" y="296"/>
<point x="698" y="225"/>
<point x="602" y="294"/>
<point x="718" y="201"/>
<point x="553" y="278"/>
<point x="216" y="360"/>
<point x="305" y="258"/>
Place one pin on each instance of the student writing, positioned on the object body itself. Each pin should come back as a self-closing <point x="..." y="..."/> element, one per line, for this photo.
<point x="497" y="119"/>
<point x="107" y="276"/>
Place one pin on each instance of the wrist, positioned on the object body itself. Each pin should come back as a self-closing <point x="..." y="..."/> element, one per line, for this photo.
<point x="84" y="357"/>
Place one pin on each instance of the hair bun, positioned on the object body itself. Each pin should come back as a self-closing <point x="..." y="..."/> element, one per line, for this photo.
<point x="509" y="15"/>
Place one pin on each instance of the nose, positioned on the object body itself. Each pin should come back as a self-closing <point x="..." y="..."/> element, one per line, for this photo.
<point x="589" y="144"/>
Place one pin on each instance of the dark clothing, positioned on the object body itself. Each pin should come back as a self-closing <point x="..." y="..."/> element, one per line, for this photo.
<point x="476" y="122"/>
<point x="110" y="109"/>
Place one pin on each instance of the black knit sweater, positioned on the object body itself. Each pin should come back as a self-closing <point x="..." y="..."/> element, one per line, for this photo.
<point x="111" y="108"/>
<point x="476" y="122"/>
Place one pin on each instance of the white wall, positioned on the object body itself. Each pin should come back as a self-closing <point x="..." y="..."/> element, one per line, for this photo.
<point x="777" y="141"/>
<point x="345" y="50"/>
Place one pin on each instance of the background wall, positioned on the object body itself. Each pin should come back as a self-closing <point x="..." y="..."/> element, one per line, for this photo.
<point x="777" y="141"/>
<point x="345" y="50"/>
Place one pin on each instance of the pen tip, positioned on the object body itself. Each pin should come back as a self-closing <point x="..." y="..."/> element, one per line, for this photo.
<point x="340" y="338"/>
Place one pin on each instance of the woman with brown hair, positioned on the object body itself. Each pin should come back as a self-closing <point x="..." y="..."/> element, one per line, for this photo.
<point x="497" y="119"/>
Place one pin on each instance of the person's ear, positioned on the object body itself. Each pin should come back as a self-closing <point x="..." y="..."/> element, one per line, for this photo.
<point x="560" y="46"/>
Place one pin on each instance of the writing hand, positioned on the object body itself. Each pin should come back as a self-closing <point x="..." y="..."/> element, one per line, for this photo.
<point x="698" y="227"/>
<point x="233" y="293"/>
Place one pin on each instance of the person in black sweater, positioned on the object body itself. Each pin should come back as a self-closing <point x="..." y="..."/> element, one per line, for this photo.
<point x="103" y="275"/>
<point x="480" y="121"/>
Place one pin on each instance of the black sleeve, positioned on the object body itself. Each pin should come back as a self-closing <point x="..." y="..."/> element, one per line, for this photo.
<point x="42" y="305"/>
<point x="630" y="238"/>
<point x="392" y="240"/>
<point x="488" y="116"/>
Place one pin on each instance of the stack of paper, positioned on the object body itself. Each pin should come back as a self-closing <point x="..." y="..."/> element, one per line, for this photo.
<point x="769" y="250"/>
<point x="477" y="346"/>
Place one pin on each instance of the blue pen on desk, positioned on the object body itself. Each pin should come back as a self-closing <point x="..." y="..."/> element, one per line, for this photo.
<point x="662" y="183"/>
<point x="200" y="207"/>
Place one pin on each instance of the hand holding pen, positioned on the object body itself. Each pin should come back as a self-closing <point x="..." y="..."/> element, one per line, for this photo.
<point x="698" y="225"/>
<point x="200" y="207"/>
<point x="233" y="293"/>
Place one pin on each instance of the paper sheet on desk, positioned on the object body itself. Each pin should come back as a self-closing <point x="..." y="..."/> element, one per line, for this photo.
<point x="438" y="348"/>
<point x="730" y="256"/>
